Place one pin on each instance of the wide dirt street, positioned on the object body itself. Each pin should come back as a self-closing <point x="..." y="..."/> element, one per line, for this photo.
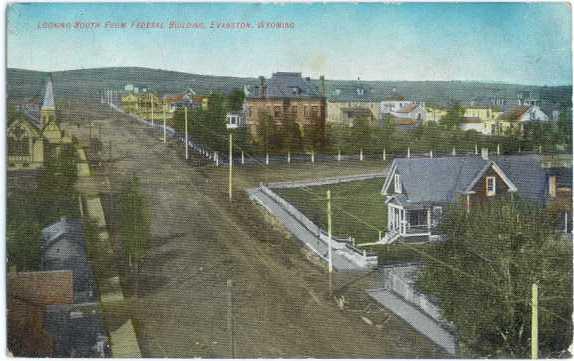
<point x="281" y="304"/>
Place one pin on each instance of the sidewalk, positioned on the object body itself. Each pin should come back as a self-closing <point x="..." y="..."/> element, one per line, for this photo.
<point x="416" y="318"/>
<point x="342" y="261"/>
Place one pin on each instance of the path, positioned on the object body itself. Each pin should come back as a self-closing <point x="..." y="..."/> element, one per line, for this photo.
<point x="199" y="241"/>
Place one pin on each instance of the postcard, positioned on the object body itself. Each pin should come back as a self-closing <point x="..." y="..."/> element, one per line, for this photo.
<point x="289" y="180"/>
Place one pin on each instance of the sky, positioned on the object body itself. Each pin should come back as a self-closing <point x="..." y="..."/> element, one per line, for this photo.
<point x="524" y="43"/>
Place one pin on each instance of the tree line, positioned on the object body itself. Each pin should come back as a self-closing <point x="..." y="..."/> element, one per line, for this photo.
<point x="208" y="127"/>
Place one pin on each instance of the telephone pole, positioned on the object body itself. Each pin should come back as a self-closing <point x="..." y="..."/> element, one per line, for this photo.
<point x="330" y="241"/>
<point x="230" y="317"/>
<point x="164" y="130"/>
<point x="151" y="99"/>
<point x="186" y="144"/>
<point x="329" y="230"/>
<point x="534" y="322"/>
<point x="230" y="166"/>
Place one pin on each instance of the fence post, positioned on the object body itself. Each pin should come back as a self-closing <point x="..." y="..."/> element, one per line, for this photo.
<point x="216" y="159"/>
<point x="430" y="154"/>
<point x="498" y="149"/>
<point x="361" y="154"/>
<point x="475" y="148"/>
<point x="408" y="152"/>
<point x="312" y="156"/>
<point x="384" y="153"/>
<point x="266" y="158"/>
<point x="339" y="155"/>
<point x="289" y="157"/>
<point x="242" y="158"/>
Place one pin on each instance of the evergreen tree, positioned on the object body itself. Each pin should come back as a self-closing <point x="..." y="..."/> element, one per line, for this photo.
<point x="482" y="277"/>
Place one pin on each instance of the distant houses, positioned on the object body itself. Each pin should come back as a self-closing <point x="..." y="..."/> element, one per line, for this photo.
<point x="349" y="102"/>
<point x="151" y="105"/>
<point x="318" y="103"/>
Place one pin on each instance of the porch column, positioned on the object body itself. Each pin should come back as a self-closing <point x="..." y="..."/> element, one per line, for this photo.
<point x="404" y="221"/>
<point x="429" y="218"/>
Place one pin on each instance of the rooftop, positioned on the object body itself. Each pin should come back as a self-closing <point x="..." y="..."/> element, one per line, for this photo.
<point x="439" y="180"/>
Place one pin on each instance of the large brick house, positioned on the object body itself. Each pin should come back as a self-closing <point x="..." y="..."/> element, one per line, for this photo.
<point x="418" y="189"/>
<point x="285" y="95"/>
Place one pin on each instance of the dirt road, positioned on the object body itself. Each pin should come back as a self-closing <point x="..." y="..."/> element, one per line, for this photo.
<point x="280" y="300"/>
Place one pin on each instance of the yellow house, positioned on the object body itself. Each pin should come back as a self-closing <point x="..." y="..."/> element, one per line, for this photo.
<point x="130" y="103"/>
<point x="434" y="113"/>
<point x="150" y="106"/>
<point x="486" y="116"/>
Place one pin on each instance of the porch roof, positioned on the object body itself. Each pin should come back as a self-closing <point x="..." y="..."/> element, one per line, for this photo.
<point x="403" y="201"/>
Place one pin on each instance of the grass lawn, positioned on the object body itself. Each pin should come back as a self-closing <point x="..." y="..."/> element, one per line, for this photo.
<point x="358" y="208"/>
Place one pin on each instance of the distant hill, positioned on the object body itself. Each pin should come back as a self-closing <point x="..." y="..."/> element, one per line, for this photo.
<point x="89" y="82"/>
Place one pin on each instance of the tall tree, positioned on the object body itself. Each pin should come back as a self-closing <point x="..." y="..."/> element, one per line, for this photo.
<point x="453" y="117"/>
<point x="134" y="229"/>
<point x="482" y="277"/>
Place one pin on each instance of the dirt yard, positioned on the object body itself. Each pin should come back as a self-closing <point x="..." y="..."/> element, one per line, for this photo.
<point x="281" y="302"/>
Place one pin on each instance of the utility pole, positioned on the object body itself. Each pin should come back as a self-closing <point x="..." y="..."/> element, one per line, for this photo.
<point x="330" y="241"/>
<point x="186" y="148"/>
<point x="534" y="322"/>
<point x="164" y="130"/>
<point x="230" y="166"/>
<point x="230" y="317"/>
<point x="151" y="99"/>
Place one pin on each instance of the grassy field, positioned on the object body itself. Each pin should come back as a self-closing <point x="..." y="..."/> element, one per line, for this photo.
<point x="358" y="208"/>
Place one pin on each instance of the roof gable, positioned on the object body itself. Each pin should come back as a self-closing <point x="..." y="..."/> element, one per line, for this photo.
<point x="439" y="180"/>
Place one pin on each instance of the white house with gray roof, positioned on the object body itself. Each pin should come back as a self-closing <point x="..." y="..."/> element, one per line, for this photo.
<point x="418" y="189"/>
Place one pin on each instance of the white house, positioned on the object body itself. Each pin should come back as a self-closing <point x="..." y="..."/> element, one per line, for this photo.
<point x="524" y="113"/>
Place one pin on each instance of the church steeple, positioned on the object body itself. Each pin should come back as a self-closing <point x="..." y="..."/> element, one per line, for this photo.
<point x="48" y="109"/>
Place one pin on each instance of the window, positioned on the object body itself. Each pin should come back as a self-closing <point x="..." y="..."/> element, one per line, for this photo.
<point x="532" y="115"/>
<point x="490" y="186"/>
<point x="19" y="142"/>
<point x="360" y="91"/>
<point x="315" y="111"/>
<point x="277" y="111"/>
<point x="398" y="188"/>
<point x="306" y="110"/>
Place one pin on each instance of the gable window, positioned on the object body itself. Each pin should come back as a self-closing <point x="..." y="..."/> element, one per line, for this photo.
<point x="19" y="142"/>
<point x="490" y="186"/>
<point x="398" y="187"/>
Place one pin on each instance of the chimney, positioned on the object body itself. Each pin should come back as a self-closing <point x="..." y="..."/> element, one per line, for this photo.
<point x="484" y="153"/>
<point x="552" y="186"/>
<point x="322" y="78"/>
<point x="262" y="87"/>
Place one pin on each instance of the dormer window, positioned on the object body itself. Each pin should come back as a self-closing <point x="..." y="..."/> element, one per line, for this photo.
<point x="295" y="90"/>
<point x="398" y="187"/>
<point x="490" y="186"/>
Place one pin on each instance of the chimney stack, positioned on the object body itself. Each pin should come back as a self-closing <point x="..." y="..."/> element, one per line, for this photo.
<point x="484" y="153"/>
<point x="262" y="87"/>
